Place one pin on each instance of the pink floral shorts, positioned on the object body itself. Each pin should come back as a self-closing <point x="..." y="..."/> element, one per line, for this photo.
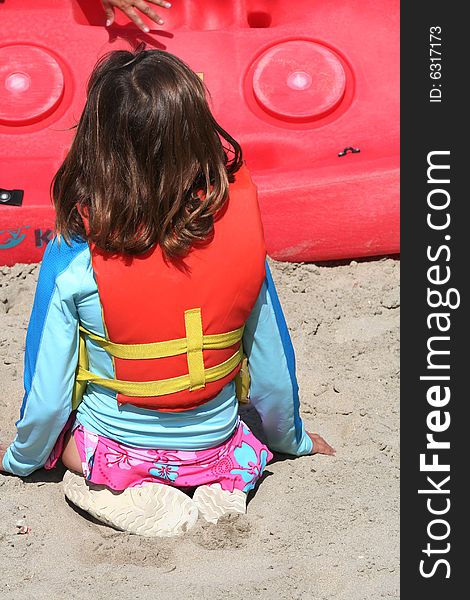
<point x="236" y="464"/>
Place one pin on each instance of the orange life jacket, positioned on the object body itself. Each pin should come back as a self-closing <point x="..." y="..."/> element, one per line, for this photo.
<point x="150" y="307"/>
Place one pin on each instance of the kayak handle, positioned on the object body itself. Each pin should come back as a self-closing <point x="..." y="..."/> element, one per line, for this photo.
<point x="349" y="149"/>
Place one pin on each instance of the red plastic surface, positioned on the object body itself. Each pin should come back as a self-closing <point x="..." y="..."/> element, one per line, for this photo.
<point x="299" y="80"/>
<point x="33" y="84"/>
<point x="295" y="82"/>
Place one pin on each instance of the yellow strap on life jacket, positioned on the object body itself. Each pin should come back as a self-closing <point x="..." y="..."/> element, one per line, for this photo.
<point x="215" y="341"/>
<point x="242" y="382"/>
<point x="192" y="345"/>
<point x="80" y="386"/>
<point x="163" y="386"/>
<point x="195" y="342"/>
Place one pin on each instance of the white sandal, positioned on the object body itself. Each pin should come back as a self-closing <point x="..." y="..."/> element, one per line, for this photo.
<point x="152" y="510"/>
<point x="213" y="502"/>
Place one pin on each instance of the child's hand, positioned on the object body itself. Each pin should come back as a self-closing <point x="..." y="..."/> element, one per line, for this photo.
<point x="3" y="449"/>
<point x="128" y="8"/>
<point x="320" y="446"/>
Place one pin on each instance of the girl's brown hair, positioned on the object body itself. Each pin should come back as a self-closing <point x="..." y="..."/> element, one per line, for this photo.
<point x="145" y="145"/>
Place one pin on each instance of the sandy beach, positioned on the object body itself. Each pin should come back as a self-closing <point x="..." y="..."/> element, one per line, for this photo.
<point x="317" y="528"/>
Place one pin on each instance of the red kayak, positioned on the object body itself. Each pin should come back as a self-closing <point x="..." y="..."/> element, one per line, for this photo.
<point x="309" y="89"/>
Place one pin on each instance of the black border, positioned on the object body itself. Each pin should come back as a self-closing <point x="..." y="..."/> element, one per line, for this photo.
<point x="427" y="127"/>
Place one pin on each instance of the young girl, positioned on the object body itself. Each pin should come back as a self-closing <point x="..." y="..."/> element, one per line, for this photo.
<point x="156" y="284"/>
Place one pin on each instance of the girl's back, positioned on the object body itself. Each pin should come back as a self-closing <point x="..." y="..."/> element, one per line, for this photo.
<point x="149" y="299"/>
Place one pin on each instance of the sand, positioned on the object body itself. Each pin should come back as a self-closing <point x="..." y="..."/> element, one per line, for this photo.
<point x="317" y="527"/>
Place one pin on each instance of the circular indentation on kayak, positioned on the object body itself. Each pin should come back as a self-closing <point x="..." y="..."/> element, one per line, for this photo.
<point x="31" y="84"/>
<point x="299" y="80"/>
<point x="18" y="82"/>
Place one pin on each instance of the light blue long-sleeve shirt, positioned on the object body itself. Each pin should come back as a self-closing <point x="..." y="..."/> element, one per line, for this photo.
<point x="67" y="295"/>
